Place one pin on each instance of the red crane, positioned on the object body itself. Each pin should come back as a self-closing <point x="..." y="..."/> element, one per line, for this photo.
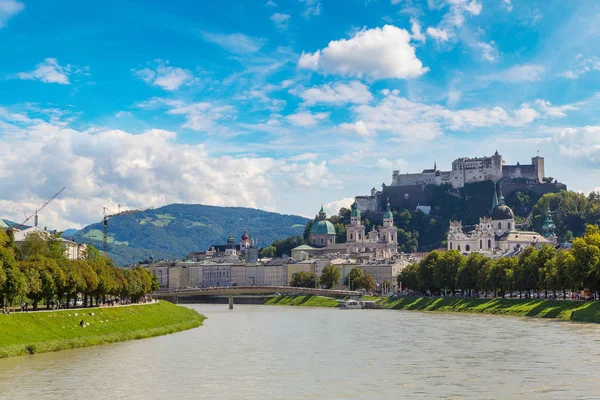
<point x="35" y="214"/>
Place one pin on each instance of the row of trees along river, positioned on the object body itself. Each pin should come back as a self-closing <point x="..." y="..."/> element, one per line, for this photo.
<point x="544" y="270"/>
<point x="330" y="277"/>
<point x="39" y="270"/>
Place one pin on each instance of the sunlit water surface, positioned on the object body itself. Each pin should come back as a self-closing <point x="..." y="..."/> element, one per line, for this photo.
<point x="266" y="352"/>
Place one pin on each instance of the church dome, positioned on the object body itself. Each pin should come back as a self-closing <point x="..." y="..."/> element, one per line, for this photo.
<point x="245" y="236"/>
<point x="503" y="212"/>
<point x="230" y="239"/>
<point x="322" y="228"/>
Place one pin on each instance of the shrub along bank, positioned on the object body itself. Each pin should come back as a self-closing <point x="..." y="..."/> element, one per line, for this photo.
<point x="582" y="311"/>
<point x="29" y="333"/>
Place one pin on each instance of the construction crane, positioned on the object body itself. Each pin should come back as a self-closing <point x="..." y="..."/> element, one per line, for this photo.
<point x="109" y="214"/>
<point x="35" y="214"/>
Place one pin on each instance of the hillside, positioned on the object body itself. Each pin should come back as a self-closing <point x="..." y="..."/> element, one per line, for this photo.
<point x="175" y="230"/>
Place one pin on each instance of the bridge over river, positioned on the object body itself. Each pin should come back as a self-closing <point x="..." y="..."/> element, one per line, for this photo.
<point x="232" y="291"/>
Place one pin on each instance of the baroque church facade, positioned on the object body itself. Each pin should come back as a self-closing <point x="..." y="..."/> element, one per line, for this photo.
<point x="497" y="234"/>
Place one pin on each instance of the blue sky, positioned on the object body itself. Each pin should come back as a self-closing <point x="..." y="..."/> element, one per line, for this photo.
<point x="284" y="105"/>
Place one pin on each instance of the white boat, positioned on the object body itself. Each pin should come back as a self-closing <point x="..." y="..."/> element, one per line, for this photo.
<point x="351" y="305"/>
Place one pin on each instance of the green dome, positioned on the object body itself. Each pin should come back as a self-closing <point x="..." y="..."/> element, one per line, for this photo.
<point x="388" y="211"/>
<point x="322" y="228"/>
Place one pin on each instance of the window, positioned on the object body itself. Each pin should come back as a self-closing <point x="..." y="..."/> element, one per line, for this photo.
<point x="459" y="247"/>
<point x="321" y="240"/>
<point x="450" y="245"/>
<point x="359" y="236"/>
<point x="314" y="241"/>
<point x="499" y="225"/>
<point x="489" y="244"/>
<point x="480" y="244"/>
<point x="468" y="248"/>
<point x="509" y="225"/>
<point x="392" y="237"/>
<point x="351" y="236"/>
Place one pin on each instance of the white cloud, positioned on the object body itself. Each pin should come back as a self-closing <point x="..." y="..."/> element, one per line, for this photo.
<point x="311" y="8"/>
<point x="415" y="29"/>
<point x="488" y="50"/>
<point x="50" y="71"/>
<point x="438" y="34"/>
<point x="519" y="73"/>
<point x="579" y="142"/>
<point x="507" y="4"/>
<point x="310" y="174"/>
<point x="280" y="20"/>
<point x="237" y="43"/>
<point x="333" y="208"/>
<point x="359" y="128"/>
<point x="306" y="118"/>
<point x="160" y="74"/>
<point x="337" y="93"/>
<point x="399" y="164"/>
<point x="201" y="116"/>
<point x="378" y="53"/>
<point x="271" y="3"/>
<point x="122" y="114"/>
<point x="549" y="110"/>
<point x="8" y="9"/>
<point x="584" y="65"/>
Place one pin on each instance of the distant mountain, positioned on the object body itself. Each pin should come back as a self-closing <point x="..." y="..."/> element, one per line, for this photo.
<point x="67" y="233"/>
<point x="175" y="230"/>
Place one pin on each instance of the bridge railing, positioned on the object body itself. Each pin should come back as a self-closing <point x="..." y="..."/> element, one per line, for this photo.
<point x="255" y="288"/>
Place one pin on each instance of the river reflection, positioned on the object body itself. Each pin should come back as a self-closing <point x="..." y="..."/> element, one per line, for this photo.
<point x="262" y="352"/>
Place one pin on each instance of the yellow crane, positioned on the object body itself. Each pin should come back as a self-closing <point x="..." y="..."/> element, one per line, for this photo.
<point x="35" y="214"/>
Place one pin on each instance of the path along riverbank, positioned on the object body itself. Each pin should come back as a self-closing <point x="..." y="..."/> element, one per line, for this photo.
<point x="30" y="333"/>
<point x="582" y="311"/>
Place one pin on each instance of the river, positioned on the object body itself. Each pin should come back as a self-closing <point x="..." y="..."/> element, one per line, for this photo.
<point x="268" y="352"/>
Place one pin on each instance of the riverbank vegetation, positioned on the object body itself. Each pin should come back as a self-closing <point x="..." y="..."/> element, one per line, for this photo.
<point x="38" y="270"/>
<point x="29" y="333"/>
<point x="532" y="273"/>
<point x="306" y="301"/>
<point x="588" y="311"/>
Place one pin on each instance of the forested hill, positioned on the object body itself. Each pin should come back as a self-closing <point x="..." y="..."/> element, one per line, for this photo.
<point x="175" y="230"/>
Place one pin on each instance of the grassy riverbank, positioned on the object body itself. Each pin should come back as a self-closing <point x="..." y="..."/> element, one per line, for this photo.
<point x="306" y="301"/>
<point x="588" y="311"/>
<point x="59" y="330"/>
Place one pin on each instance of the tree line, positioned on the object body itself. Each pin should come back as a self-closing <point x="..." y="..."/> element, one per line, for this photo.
<point x="39" y="270"/>
<point x="535" y="270"/>
<point x="330" y="277"/>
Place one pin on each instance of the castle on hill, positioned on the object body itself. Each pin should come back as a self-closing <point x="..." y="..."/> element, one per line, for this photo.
<point x="417" y="190"/>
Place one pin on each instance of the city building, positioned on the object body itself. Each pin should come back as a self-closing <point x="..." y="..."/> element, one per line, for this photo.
<point x="497" y="234"/>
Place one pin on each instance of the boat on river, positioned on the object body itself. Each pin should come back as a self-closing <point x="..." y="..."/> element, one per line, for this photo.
<point x="351" y="305"/>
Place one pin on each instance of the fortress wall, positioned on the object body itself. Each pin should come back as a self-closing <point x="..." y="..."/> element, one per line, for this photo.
<point x="538" y="188"/>
<point x="408" y="196"/>
<point x="413" y="179"/>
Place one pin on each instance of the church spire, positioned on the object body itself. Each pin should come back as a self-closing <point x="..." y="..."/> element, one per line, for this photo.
<point x="435" y="165"/>
<point x="495" y="200"/>
<point x="548" y="226"/>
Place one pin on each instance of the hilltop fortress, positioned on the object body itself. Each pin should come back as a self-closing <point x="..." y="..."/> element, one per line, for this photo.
<point x="416" y="190"/>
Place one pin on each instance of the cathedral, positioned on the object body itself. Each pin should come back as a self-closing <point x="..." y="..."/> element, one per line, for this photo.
<point x="382" y="242"/>
<point x="497" y="235"/>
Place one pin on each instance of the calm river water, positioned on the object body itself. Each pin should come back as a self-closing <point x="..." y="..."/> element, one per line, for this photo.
<point x="262" y="352"/>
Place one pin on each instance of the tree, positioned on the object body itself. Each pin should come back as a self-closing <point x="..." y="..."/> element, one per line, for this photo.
<point x="469" y="271"/>
<point x="445" y="271"/>
<point x="330" y="276"/>
<point x="352" y="279"/>
<point x="499" y="275"/>
<point x="425" y="276"/>
<point x="407" y="279"/>
<point x="268" y="252"/>
<point x="366" y="282"/>
<point x="304" y="279"/>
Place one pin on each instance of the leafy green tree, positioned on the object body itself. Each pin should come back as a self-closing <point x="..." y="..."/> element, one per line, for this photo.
<point x="352" y="279"/>
<point x="15" y="284"/>
<point x="367" y="282"/>
<point x="330" y="276"/>
<point x="469" y="271"/>
<point x="425" y="274"/>
<point x="499" y="275"/>
<point x="445" y="270"/>
<point x="268" y="252"/>
<point x="407" y="279"/>
<point x="304" y="279"/>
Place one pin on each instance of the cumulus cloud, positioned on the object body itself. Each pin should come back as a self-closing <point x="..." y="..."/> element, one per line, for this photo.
<point x="583" y="66"/>
<point x="50" y="71"/>
<point x="310" y="174"/>
<point x="280" y="20"/>
<point x="377" y="53"/>
<point x="414" y="121"/>
<point x="398" y="164"/>
<point x="237" y="43"/>
<point x="333" y="208"/>
<point x="439" y="35"/>
<point x="337" y="93"/>
<point x="8" y="9"/>
<point x="359" y="128"/>
<point x="507" y="4"/>
<point x="580" y="142"/>
<point x="159" y="73"/>
<point x="415" y="30"/>
<point x="306" y="118"/>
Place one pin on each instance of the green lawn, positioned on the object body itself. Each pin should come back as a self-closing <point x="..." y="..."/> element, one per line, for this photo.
<point x="588" y="311"/>
<point x="306" y="301"/>
<point x="39" y="332"/>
